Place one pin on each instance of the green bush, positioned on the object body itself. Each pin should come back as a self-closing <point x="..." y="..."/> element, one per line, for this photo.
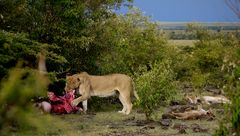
<point x="17" y="46"/>
<point x="130" y="42"/>
<point x="222" y="131"/>
<point x="69" y="24"/>
<point x="235" y="108"/>
<point x="15" y="99"/>
<point x="216" y="60"/>
<point x="155" y="87"/>
<point x="17" y="113"/>
<point x="211" y="58"/>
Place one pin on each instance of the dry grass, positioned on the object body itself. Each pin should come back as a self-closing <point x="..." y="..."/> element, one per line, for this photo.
<point x="182" y="42"/>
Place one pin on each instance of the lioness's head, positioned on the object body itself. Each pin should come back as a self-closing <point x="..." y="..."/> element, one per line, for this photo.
<point x="72" y="83"/>
<point x="210" y="113"/>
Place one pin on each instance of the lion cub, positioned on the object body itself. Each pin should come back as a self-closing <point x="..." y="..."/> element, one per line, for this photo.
<point x="102" y="86"/>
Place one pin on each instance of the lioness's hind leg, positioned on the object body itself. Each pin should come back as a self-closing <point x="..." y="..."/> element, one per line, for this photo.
<point x="123" y="103"/>
<point x="129" y="107"/>
<point x="128" y="103"/>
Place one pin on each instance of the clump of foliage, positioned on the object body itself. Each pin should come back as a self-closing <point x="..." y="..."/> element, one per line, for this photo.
<point x="231" y="122"/>
<point x="15" y="99"/>
<point x="17" y="112"/>
<point x="214" y="60"/>
<point x="235" y="109"/>
<point x="132" y="41"/>
<point x="155" y="87"/>
<point x="209" y="60"/>
<point x="216" y="57"/>
<point x="17" y="46"/>
<point x="222" y="131"/>
<point x="232" y="88"/>
<point x="70" y="25"/>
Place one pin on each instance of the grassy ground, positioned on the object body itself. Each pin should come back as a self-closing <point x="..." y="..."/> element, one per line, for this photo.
<point x="111" y="123"/>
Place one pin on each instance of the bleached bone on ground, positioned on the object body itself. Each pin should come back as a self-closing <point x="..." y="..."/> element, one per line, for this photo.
<point x="44" y="106"/>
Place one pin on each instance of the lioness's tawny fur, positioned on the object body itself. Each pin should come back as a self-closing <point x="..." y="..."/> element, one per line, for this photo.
<point x="193" y="114"/>
<point x="208" y="99"/>
<point x="103" y="86"/>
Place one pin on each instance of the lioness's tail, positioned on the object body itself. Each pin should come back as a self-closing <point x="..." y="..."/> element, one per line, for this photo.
<point x="134" y="91"/>
<point x="135" y="94"/>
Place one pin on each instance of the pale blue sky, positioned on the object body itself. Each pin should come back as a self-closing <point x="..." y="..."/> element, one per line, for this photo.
<point x="186" y="10"/>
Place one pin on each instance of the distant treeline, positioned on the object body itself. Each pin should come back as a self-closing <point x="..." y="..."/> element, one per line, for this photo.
<point x="217" y="28"/>
<point x="180" y="31"/>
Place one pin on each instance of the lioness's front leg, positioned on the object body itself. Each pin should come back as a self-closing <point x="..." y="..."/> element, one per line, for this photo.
<point x="84" y="103"/>
<point x="76" y="101"/>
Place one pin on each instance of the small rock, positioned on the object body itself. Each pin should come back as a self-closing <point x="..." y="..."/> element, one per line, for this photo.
<point x="196" y="128"/>
<point x="213" y="89"/>
<point x="179" y="126"/>
<point x="182" y="131"/>
<point x="166" y="122"/>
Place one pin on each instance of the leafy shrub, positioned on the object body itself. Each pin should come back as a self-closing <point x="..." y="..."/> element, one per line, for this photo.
<point x="17" y="113"/>
<point x="217" y="57"/>
<point x="235" y="108"/>
<point x="222" y="131"/>
<point x="211" y="58"/>
<point x="215" y="60"/>
<point x="130" y="42"/>
<point x="15" y="47"/>
<point x="155" y="87"/>
<point x="15" y="95"/>
<point x="70" y="25"/>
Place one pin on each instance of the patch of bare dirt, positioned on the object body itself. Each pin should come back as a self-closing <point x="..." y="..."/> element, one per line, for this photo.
<point x="126" y="133"/>
<point x="196" y="128"/>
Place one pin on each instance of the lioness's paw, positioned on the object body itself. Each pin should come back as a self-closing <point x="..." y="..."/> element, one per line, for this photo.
<point x="127" y="113"/>
<point x="74" y="103"/>
<point x="122" y="112"/>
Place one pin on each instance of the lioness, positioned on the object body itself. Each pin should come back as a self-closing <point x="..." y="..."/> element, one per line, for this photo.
<point x="193" y="114"/>
<point x="103" y="86"/>
<point x="209" y="99"/>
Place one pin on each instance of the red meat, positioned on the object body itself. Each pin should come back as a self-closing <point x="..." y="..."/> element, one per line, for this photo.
<point x="62" y="104"/>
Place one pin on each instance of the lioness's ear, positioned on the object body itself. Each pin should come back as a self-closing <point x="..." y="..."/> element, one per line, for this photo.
<point x="68" y="74"/>
<point x="78" y="79"/>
